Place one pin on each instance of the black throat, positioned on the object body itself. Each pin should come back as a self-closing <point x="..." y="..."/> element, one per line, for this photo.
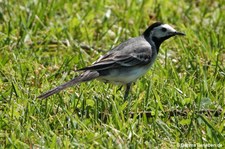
<point x="158" y="41"/>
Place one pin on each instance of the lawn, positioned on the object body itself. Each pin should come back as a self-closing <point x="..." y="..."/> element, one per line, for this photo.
<point x="179" y="103"/>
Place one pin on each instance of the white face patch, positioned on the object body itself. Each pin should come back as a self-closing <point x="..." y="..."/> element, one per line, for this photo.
<point x="169" y="28"/>
<point x="162" y="31"/>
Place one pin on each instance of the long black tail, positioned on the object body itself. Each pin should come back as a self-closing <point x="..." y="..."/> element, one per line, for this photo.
<point x="86" y="76"/>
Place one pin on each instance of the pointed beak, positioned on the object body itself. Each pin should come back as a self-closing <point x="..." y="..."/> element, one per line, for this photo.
<point x="179" y="33"/>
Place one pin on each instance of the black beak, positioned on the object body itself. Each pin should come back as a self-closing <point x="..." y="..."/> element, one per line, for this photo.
<point x="179" y="33"/>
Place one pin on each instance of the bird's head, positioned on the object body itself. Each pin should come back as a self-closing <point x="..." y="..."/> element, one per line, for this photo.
<point x="159" y="32"/>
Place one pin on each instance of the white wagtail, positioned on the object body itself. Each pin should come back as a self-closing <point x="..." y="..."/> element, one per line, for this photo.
<point x="125" y="63"/>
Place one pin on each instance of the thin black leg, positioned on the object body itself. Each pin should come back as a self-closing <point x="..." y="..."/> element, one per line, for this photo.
<point x="128" y="86"/>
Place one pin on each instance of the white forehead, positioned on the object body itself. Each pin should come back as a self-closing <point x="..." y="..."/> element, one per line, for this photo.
<point x="168" y="27"/>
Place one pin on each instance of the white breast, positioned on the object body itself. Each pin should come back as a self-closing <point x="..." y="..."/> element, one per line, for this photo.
<point x="127" y="75"/>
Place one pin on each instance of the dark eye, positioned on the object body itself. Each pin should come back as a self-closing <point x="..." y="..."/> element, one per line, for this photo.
<point x="164" y="29"/>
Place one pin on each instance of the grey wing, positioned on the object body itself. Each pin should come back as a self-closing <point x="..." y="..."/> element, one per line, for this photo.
<point x="124" y="58"/>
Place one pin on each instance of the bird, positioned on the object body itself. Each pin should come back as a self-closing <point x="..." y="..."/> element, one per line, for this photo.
<point x="125" y="63"/>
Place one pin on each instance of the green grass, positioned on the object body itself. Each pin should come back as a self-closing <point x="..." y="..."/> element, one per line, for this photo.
<point x="189" y="75"/>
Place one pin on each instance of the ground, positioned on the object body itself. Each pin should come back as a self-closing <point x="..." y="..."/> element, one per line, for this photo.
<point x="178" y="103"/>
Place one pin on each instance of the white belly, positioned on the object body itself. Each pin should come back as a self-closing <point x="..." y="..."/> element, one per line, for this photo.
<point x="125" y="76"/>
